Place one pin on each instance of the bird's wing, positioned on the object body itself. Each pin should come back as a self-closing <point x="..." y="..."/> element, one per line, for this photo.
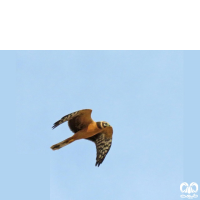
<point x="103" y="141"/>
<point x="76" y="120"/>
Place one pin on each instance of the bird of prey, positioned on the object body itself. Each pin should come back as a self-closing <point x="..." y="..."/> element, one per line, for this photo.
<point x="83" y="127"/>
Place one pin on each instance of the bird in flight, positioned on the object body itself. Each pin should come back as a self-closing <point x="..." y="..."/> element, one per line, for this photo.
<point x="83" y="127"/>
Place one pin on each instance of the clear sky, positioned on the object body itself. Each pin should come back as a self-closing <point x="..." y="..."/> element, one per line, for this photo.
<point x="140" y="93"/>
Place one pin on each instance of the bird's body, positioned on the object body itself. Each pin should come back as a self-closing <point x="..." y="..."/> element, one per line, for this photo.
<point x="83" y="127"/>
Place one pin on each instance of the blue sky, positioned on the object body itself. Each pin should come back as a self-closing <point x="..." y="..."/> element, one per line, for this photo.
<point x="140" y="93"/>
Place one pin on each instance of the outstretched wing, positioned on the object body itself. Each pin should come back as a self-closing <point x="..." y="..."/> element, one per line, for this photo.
<point x="76" y="120"/>
<point x="103" y="141"/>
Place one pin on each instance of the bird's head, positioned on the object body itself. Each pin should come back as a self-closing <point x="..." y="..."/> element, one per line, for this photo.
<point x="103" y="124"/>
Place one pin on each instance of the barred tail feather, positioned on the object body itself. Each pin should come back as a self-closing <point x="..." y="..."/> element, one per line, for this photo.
<point x="62" y="144"/>
<point x="65" y="118"/>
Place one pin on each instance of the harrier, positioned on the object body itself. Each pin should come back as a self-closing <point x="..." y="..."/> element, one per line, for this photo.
<point x="83" y="127"/>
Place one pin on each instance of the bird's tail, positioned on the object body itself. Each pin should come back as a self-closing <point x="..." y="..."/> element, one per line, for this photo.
<point x="62" y="144"/>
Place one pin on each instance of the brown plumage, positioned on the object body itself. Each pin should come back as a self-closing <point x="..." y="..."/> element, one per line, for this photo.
<point x="83" y="127"/>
